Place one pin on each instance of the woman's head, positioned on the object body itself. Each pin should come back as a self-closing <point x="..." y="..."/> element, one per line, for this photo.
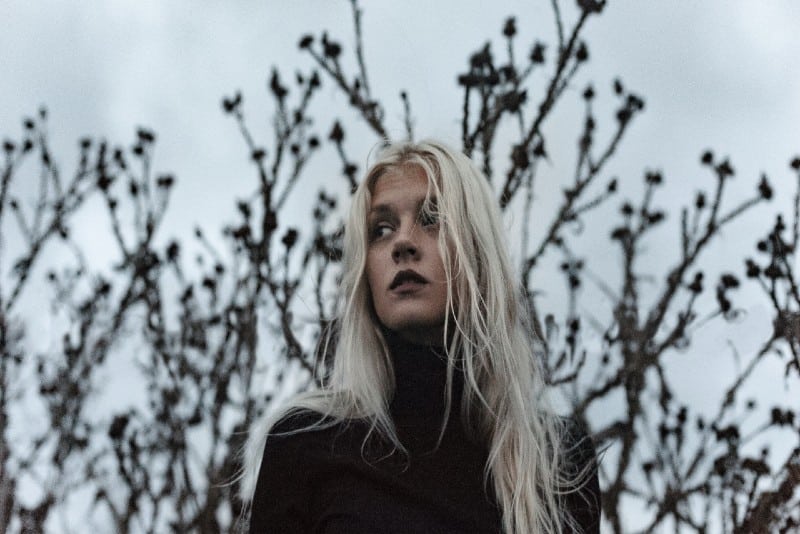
<point x="404" y="268"/>
<point x="424" y="234"/>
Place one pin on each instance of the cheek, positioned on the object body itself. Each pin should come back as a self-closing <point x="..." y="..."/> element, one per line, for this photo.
<point x="372" y="273"/>
<point x="440" y="261"/>
<point x="451" y="281"/>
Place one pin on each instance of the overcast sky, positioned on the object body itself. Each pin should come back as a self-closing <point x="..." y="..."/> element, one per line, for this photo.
<point x="719" y="74"/>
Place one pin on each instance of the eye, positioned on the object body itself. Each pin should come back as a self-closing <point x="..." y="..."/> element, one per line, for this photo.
<point x="379" y="230"/>
<point x="428" y="218"/>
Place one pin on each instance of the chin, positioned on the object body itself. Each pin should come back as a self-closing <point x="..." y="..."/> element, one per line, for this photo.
<point x="410" y="321"/>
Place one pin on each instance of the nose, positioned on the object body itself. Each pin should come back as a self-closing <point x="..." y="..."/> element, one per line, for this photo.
<point x="404" y="249"/>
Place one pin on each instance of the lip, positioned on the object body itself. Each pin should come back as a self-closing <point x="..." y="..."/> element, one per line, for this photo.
<point x="406" y="280"/>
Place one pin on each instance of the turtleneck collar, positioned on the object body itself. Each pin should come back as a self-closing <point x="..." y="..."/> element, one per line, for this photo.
<point x="420" y="379"/>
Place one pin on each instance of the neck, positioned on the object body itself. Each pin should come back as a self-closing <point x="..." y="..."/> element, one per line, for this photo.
<point x="426" y="337"/>
<point x="420" y="372"/>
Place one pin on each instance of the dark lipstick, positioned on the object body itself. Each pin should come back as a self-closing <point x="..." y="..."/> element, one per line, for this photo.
<point x="407" y="275"/>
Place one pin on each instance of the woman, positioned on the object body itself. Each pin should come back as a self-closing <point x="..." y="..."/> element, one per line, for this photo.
<point x="433" y="418"/>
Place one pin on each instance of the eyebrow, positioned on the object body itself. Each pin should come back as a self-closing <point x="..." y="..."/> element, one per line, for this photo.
<point x="386" y="209"/>
<point x="381" y="209"/>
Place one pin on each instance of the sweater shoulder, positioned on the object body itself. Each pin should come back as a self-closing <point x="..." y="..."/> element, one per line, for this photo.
<point x="579" y="449"/>
<point x="299" y="420"/>
<point x="310" y="436"/>
<point x="582" y="497"/>
<point x="281" y="496"/>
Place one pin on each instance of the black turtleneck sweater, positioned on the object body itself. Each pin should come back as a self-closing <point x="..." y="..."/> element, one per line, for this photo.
<point x="329" y="480"/>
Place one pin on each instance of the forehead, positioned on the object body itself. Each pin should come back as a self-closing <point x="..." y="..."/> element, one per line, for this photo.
<point x="398" y="184"/>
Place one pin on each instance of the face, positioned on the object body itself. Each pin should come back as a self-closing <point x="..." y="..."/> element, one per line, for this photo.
<point x="404" y="269"/>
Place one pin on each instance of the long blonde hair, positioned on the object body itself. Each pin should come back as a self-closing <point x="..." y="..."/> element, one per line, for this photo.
<point x="486" y="328"/>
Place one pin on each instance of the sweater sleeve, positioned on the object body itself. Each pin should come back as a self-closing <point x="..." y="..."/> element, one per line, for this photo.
<point x="280" y="501"/>
<point x="581" y="456"/>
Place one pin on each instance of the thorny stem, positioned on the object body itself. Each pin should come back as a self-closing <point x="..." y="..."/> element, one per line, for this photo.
<point x="369" y="110"/>
<point x="359" y="47"/>
<point x="566" y="211"/>
<point x="659" y="310"/>
<point x="559" y="24"/>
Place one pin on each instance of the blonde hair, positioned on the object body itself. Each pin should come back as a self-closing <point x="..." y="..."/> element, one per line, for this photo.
<point x="486" y="328"/>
